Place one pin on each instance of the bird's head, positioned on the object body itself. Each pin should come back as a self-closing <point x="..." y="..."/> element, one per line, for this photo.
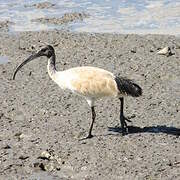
<point x="47" y="51"/>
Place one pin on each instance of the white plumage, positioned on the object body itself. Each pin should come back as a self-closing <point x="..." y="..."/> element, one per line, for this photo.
<point x="90" y="82"/>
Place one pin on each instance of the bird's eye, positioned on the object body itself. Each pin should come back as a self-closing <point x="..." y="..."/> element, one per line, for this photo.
<point x="49" y="54"/>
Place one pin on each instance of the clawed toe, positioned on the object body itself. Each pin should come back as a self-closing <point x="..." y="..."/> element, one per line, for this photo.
<point x="126" y="119"/>
<point x="88" y="137"/>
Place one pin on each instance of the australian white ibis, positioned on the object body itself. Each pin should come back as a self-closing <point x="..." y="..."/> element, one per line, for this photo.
<point x="90" y="82"/>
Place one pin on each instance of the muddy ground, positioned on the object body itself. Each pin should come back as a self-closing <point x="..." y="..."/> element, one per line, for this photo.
<point x="41" y="126"/>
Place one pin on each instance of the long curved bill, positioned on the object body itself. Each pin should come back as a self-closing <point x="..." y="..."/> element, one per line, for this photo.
<point x="30" y="58"/>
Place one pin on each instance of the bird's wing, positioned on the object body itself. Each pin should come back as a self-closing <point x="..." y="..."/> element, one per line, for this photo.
<point x="93" y="82"/>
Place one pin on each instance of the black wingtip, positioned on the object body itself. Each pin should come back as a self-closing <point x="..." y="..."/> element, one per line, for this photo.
<point x="137" y="90"/>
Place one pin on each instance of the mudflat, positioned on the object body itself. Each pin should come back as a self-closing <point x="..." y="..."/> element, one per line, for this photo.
<point x="41" y="125"/>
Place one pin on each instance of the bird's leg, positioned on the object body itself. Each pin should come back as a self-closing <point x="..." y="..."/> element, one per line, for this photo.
<point x="93" y="119"/>
<point x="123" y="119"/>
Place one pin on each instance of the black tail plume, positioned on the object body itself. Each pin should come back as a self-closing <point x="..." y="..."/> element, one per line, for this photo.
<point x="128" y="87"/>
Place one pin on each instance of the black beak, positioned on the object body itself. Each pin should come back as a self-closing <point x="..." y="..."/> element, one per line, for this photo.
<point x="30" y="58"/>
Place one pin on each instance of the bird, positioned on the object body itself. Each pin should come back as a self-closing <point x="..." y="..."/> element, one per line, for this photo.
<point x="92" y="83"/>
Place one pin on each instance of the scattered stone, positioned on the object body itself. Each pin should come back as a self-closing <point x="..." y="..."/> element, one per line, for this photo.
<point x="1" y="115"/>
<point x="7" y="147"/>
<point x="53" y="163"/>
<point x="50" y="167"/>
<point x="23" y="157"/>
<point x="165" y="51"/>
<point x="22" y="136"/>
<point x="45" y="155"/>
<point x="133" y="50"/>
<point x="39" y="165"/>
<point x="18" y="134"/>
<point x="67" y="106"/>
<point x="30" y="73"/>
<point x="177" y="164"/>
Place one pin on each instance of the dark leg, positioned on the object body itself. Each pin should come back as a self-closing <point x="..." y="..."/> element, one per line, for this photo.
<point x="93" y="118"/>
<point x="123" y="119"/>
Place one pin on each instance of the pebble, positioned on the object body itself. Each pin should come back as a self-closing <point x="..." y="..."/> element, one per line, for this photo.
<point x="165" y="51"/>
<point x="45" y="155"/>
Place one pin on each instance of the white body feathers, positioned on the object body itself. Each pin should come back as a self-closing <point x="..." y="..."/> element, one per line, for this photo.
<point x="90" y="82"/>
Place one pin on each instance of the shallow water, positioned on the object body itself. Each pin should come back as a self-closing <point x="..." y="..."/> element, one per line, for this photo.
<point x="3" y="59"/>
<point x="131" y="16"/>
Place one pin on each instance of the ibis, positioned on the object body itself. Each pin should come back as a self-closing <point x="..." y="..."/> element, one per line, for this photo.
<point x="92" y="83"/>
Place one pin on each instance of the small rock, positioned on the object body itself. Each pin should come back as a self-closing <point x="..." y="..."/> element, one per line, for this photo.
<point x="67" y="106"/>
<point x="18" y="134"/>
<point x="84" y="168"/>
<point x="56" y="44"/>
<point x="59" y="160"/>
<point x="30" y="73"/>
<point x="58" y="168"/>
<point x="7" y="147"/>
<point x="50" y="167"/>
<point x="165" y="51"/>
<point x="133" y="50"/>
<point x="23" y="157"/>
<point x="22" y="136"/>
<point x="39" y="165"/>
<point x="170" y="164"/>
<point x="1" y="115"/>
<point x="45" y="155"/>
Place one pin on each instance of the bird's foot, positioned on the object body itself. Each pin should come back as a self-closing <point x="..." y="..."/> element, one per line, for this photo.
<point x="126" y="119"/>
<point x="124" y="125"/>
<point x="88" y="137"/>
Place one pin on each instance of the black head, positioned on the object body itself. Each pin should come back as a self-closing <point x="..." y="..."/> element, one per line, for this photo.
<point x="47" y="51"/>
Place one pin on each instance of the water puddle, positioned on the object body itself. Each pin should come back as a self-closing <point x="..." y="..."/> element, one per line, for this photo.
<point x="131" y="16"/>
<point x="3" y="59"/>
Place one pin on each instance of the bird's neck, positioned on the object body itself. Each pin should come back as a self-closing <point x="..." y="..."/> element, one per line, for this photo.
<point x="52" y="66"/>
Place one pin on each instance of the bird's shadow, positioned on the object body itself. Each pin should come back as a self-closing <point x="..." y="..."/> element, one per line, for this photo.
<point x="150" y="129"/>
